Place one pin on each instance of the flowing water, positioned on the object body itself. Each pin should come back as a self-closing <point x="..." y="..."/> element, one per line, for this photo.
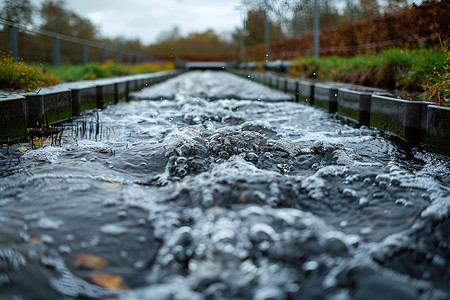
<point x="222" y="189"/>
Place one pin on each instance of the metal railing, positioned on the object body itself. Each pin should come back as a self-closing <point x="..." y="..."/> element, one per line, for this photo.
<point x="54" y="46"/>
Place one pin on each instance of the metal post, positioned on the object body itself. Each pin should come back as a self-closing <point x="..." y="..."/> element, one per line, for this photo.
<point x="242" y="40"/>
<point x="119" y="57"/>
<point x="266" y="37"/>
<point x="316" y="29"/>
<point x="13" y="42"/>
<point x="104" y="55"/>
<point x="130" y="59"/>
<point x="56" y="51"/>
<point x="85" y="54"/>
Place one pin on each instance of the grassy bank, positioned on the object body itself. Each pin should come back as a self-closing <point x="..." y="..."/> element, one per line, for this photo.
<point x="425" y="70"/>
<point x="93" y="71"/>
<point x="16" y="75"/>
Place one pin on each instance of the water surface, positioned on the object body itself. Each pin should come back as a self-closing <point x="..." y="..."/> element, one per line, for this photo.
<point x="222" y="189"/>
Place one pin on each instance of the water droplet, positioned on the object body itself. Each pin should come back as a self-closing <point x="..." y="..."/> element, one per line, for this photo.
<point x="47" y="239"/>
<point x="310" y="265"/>
<point x="363" y="201"/>
<point x="113" y="229"/>
<point x="64" y="249"/>
<point x="403" y="202"/>
<point x="123" y="254"/>
<point x="46" y="223"/>
<point x="139" y="265"/>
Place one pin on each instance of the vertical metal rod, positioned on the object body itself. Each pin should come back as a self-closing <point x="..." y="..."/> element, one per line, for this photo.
<point x="56" y="51"/>
<point x="13" y="42"/>
<point x="104" y="55"/>
<point x="85" y="54"/>
<point x="316" y="29"/>
<point x="119" y="57"/>
<point x="242" y="40"/>
<point x="266" y="37"/>
<point x="243" y="43"/>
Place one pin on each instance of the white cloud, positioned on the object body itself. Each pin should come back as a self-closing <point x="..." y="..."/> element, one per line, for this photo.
<point x="145" y="19"/>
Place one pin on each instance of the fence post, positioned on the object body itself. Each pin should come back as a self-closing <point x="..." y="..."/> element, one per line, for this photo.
<point x="316" y="29"/>
<point x="119" y="57"/>
<point x="266" y="37"/>
<point x="56" y="60"/>
<point x="13" y="42"/>
<point x="104" y="55"/>
<point x="85" y="54"/>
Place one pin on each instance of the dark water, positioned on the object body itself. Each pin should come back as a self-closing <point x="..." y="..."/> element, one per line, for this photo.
<point x="201" y="196"/>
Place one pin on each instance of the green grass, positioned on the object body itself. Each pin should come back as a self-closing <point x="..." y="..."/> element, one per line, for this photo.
<point x="423" y="69"/>
<point x="93" y="71"/>
<point x="15" y="75"/>
<point x="85" y="72"/>
<point x="18" y="76"/>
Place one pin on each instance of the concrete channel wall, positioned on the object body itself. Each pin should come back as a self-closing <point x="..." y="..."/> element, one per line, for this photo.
<point x="55" y="104"/>
<point x="414" y="121"/>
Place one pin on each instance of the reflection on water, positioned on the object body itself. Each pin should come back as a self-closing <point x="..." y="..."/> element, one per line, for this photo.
<point x="188" y="198"/>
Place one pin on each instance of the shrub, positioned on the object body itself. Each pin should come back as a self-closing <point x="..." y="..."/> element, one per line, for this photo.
<point x="422" y="69"/>
<point x="437" y="82"/>
<point x="15" y="75"/>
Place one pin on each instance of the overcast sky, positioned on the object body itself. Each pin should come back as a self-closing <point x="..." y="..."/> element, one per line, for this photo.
<point x="146" y="19"/>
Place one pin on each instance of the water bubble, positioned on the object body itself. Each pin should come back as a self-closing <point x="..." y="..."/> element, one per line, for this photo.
<point x="269" y="293"/>
<point x="24" y="236"/>
<point x="47" y="223"/>
<point x="113" y="229"/>
<point x="122" y="214"/>
<point x="273" y="201"/>
<point x="262" y="232"/>
<point x="343" y="223"/>
<point x="139" y="265"/>
<point x="47" y="239"/>
<point x="142" y="239"/>
<point x="310" y="265"/>
<point x="349" y="193"/>
<point x="251" y="156"/>
<point x="403" y="202"/>
<point x="64" y="249"/>
<point x="363" y="201"/>
<point x="123" y="254"/>
<point x="366" y="230"/>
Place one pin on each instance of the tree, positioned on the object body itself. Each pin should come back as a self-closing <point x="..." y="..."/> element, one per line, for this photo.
<point x="254" y="30"/>
<point x="56" y="18"/>
<point x="18" y="11"/>
<point x="369" y="8"/>
<point x="395" y="4"/>
<point x="302" y="19"/>
<point x="199" y="43"/>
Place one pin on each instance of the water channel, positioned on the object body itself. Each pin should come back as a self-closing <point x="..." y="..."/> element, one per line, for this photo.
<point x="210" y="186"/>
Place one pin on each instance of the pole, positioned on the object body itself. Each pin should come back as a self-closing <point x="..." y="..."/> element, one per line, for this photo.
<point x="242" y="42"/>
<point x="119" y="57"/>
<point x="85" y="54"/>
<point x="316" y="29"/>
<point x="104" y="55"/>
<point x="13" y="42"/>
<point x="56" y="49"/>
<point x="266" y="36"/>
<point x="243" y="31"/>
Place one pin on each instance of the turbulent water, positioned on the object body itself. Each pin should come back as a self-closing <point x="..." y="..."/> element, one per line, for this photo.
<point x="222" y="189"/>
